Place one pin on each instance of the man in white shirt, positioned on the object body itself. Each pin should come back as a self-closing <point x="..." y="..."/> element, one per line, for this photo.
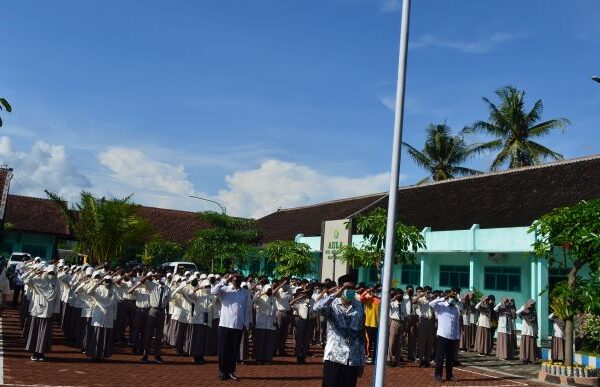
<point x="283" y="296"/>
<point x="410" y="322"/>
<point x="236" y="315"/>
<point x="396" y="333"/>
<point x="448" y="333"/>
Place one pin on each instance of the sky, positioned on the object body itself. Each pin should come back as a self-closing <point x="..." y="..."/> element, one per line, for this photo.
<point x="268" y="104"/>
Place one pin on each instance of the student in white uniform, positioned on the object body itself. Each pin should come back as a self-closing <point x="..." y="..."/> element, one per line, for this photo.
<point x="45" y="301"/>
<point x="100" y="343"/>
<point x="396" y="334"/>
<point x="303" y="305"/>
<point x="504" y="348"/>
<point x="528" y="352"/>
<point x="264" y="332"/>
<point x="558" y="338"/>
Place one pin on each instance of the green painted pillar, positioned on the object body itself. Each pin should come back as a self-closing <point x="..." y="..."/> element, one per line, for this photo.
<point x="424" y="270"/>
<point x="472" y="284"/>
<point x="542" y="300"/>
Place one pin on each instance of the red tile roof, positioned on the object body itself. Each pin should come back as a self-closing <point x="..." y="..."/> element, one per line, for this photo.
<point x="502" y="199"/>
<point x="173" y="225"/>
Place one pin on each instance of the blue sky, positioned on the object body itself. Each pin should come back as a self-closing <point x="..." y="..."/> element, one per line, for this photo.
<point x="271" y="103"/>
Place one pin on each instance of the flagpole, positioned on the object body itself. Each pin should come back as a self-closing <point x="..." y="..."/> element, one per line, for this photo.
<point x="382" y="339"/>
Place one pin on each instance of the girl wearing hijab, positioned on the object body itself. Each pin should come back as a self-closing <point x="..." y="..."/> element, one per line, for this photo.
<point x="504" y="348"/>
<point x="265" y="325"/>
<point x="558" y="338"/>
<point x="483" y="337"/>
<point x="99" y="343"/>
<point x="45" y="301"/>
<point x="528" y="352"/>
<point x="466" y="309"/>
<point x="201" y="319"/>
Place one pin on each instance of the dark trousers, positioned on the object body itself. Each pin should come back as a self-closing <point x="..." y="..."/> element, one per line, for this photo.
<point x="229" y="346"/>
<point x="139" y="334"/>
<point x="302" y="337"/>
<point x="372" y="338"/>
<point x="444" y="348"/>
<point x="426" y="339"/>
<point x="17" y="291"/>
<point x="263" y="345"/>
<point x="339" y="375"/>
<point x="411" y="336"/>
<point x="283" y="322"/>
<point x="154" y="327"/>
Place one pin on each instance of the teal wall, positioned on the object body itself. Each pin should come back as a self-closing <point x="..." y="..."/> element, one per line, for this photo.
<point x="476" y="249"/>
<point x="35" y="244"/>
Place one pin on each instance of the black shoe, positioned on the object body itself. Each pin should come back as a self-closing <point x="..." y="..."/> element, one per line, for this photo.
<point x="144" y="359"/>
<point x="438" y="379"/>
<point x="158" y="360"/>
<point x="450" y="379"/>
<point x="223" y="377"/>
<point x="232" y="376"/>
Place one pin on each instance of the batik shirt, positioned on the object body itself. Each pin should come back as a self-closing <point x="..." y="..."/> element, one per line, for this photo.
<point x="345" y="331"/>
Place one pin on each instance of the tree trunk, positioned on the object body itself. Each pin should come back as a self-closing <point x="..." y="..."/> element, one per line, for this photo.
<point x="569" y="343"/>
<point x="569" y="321"/>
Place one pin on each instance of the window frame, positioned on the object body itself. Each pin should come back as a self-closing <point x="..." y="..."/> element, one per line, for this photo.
<point x="508" y="274"/>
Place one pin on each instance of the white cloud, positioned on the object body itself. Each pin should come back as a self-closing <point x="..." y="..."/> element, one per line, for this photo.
<point x="275" y="183"/>
<point x="136" y="169"/>
<point x="480" y="45"/>
<point x="390" y="5"/>
<point x="45" y="166"/>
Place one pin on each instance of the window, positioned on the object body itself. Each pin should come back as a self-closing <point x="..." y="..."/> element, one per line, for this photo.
<point x="503" y="278"/>
<point x="557" y="274"/>
<point x="411" y="274"/>
<point x="451" y="276"/>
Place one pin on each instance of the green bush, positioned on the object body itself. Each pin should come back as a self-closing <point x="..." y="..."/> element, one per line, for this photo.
<point x="591" y="335"/>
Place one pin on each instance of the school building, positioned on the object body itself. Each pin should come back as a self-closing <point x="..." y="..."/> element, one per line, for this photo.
<point x="475" y="229"/>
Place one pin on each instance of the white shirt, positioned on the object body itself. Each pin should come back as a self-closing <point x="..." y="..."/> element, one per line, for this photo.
<point x="423" y="309"/>
<point x="448" y="318"/>
<point x="104" y="309"/>
<point x="304" y="307"/>
<point x="557" y="325"/>
<point x="282" y="301"/>
<point x="236" y="306"/>
<point x="4" y="286"/>
<point x="526" y="328"/>
<point x="397" y="310"/>
<point x="483" y="321"/>
<point x="504" y="320"/>
<point x="407" y="304"/>
<point x="265" y="312"/>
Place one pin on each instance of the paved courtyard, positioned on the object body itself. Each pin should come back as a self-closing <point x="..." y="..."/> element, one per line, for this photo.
<point x="67" y="367"/>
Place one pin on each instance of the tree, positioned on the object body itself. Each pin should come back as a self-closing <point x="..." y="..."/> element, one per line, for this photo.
<point x="577" y="230"/>
<point x="290" y="258"/>
<point x="372" y="249"/>
<point x="4" y="105"/>
<point x="442" y="155"/>
<point x="104" y="228"/>
<point x="228" y="238"/>
<point x="513" y="129"/>
<point x="160" y="250"/>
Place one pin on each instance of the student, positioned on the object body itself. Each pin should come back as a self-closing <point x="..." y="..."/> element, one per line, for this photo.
<point x="504" y="348"/>
<point x="264" y="332"/>
<point x="558" y="341"/>
<point x="99" y="343"/>
<point x="236" y="312"/>
<point x="483" y="338"/>
<point x="45" y="301"/>
<point x="200" y="321"/>
<point x="344" y="357"/>
<point x="466" y="309"/>
<point x="371" y="299"/>
<point x="284" y="315"/>
<point x="411" y="320"/>
<point x="426" y="328"/>
<point x="448" y="333"/>
<point x="303" y="306"/>
<point x="528" y="352"/>
<point x="396" y="333"/>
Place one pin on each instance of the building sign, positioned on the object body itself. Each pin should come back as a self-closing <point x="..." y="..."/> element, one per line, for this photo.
<point x="336" y="233"/>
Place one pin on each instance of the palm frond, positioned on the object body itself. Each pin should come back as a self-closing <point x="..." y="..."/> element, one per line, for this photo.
<point x="541" y="152"/>
<point x="547" y="126"/>
<point x="462" y="171"/>
<point x="420" y="158"/>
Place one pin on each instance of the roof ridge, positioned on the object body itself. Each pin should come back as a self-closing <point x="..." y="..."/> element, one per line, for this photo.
<point x="507" y="171"/>
<point x="327" y="202"/>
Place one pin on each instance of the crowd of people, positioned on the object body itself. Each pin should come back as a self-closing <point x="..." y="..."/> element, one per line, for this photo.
<point x="242" y="318"/>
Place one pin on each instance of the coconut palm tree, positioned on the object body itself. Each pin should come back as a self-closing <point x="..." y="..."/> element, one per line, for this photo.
<point x="514" y="128"/>
<point x="442" y="155"/>
<point x="4" y="105"/>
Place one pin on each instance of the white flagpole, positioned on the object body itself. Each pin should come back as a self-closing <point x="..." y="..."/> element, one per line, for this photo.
<point x="382" y="339"/>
